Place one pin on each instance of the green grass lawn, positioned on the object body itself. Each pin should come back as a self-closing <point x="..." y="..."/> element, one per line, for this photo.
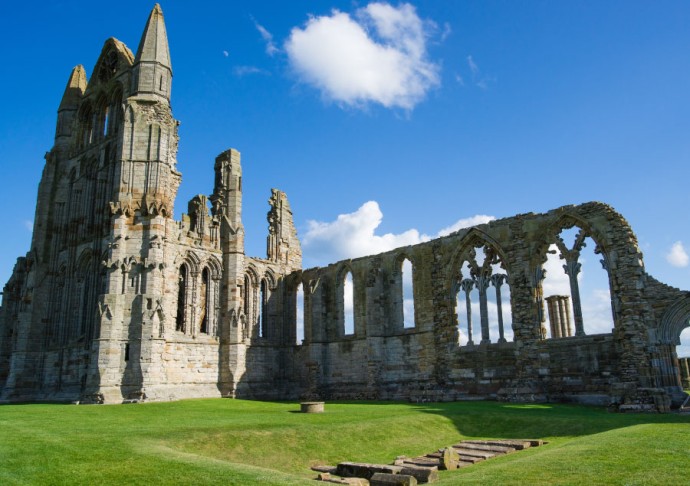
<point x="237" y="442"/>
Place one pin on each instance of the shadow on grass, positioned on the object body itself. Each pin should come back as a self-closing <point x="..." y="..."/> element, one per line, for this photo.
<point x="485" y="419"/>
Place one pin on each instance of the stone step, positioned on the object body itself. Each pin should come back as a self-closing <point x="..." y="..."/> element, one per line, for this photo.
<point x="420" y="461"/>
<point x="516" y="444"/>
<point x="474" y="453"/>
<point x="471" y="459"/>
<point x="485" y="447"/>
<point x="364" y="470"/>
<point x="324" y="469"/>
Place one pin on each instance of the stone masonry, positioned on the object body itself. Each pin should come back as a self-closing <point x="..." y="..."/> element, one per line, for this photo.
<point x="116" y="301"/>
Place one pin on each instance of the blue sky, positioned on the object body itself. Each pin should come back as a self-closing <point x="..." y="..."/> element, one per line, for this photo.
<point x="467" y="108"/>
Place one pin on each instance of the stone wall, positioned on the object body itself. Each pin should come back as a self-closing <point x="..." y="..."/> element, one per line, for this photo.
<point x="116" y="301"/>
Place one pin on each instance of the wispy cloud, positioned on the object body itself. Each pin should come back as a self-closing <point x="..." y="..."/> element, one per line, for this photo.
<point x="29" y="224"/>
<point x="248" y="70"/>
<point x="378" y="54"/>
<point x="677" y="256"/>
<point x="479" y="79"/>
<point x="473" y="66"/>
<point x="271" y="48"/>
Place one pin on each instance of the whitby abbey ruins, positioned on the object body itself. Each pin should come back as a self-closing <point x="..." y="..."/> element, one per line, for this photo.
<point x="116" y="301"/>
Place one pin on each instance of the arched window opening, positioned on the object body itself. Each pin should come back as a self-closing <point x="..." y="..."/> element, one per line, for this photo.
<point x="247" y="294"/>
<point x="407" y="294"/>
<point x="683" y="353"/>
<point x="577" y="296"/>
<point x="483" y="298"/>
<point x="204" y="300"/>
<point x="181" y="300"/>
<point x="299" y="314"/>
<point x="114" y="113"/>
<point x="100" y="118"/>
<point x="262" y="318"/>
<point x="106" y="121"/>
<point x="348" y="305"/>
<point x="85" y="126"/>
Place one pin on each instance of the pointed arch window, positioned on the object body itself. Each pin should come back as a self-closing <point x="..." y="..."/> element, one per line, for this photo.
<point x="347" y="307"/>
<point x="575" y="286"/>
<point x="262" y="318"/>
<point x="481" y="289"/>
<point x="407" y="293"/>
<point x="180" y="319"/>
<point x="299" y="313"/>
<point x="204" y="301"/>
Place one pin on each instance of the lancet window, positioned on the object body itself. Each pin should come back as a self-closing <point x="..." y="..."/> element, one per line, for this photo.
<point x="406" y="292"/>
<point x="346" y="298"/>
<point x="299" y="313"/>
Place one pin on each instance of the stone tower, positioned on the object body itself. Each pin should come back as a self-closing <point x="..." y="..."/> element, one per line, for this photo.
<point x="106" y="193"/>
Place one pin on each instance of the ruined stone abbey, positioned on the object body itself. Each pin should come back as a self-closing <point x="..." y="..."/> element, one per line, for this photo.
<point x="117" y="301"/>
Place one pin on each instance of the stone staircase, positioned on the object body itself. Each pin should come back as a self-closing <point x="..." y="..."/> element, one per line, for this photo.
<point x="409" y="471"/>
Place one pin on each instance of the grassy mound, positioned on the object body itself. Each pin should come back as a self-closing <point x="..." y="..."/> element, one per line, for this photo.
<point x="245" y="442"/>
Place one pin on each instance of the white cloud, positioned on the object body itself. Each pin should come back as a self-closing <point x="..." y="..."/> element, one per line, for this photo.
<point x="465" y="223"/>
<point x="354" y="235"/>
<point x="677" y="256"/>
<point x="29" y="224"/>
<point x="379" y="56"/>
<point x="271" y="48"/>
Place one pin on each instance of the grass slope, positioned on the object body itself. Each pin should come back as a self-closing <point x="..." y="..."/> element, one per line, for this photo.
<point x="237" y="442"/>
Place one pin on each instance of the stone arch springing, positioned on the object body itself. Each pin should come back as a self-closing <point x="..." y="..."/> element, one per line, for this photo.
<point x="568" y="308"/>
<point x="478" y="266"/>
<point x="675" y="373"/>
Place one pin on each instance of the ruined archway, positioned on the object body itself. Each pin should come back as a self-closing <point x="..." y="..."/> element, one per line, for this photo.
<point x="675" y="320"/>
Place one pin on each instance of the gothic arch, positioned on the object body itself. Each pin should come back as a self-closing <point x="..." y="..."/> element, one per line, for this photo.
<point x="675" y="319"/>
<point x="476" y="285"/>
<point x="474" y="238"/>
<point x="551" y="231"/>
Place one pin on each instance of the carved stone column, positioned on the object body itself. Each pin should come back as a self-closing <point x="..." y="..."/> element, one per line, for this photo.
<point x="467" y="285"/>
<point x="572" y="269"/>
<point x="497" y="280"/>
<point x="482" y="283"/>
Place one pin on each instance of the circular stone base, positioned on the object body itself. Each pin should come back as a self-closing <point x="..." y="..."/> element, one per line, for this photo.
<point x="311" y="407"/>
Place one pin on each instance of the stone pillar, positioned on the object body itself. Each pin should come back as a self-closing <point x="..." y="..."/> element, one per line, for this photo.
<point x="482" y="284"/>
<point x="559" y="317"/>
<point x="572" y="268"/>
<point x="684" y="365"/>
<point x="466" y="285"/>
<point x="497" y="280"/>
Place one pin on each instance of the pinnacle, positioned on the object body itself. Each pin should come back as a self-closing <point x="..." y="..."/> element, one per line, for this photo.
<point x="76" y="85"/>
<point x="153" y="46"/>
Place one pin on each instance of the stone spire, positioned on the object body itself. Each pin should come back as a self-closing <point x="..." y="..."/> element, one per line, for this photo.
<point x="153" y="71"/>
<point x="74" y="90"/>
<point x="70" y="104"/>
